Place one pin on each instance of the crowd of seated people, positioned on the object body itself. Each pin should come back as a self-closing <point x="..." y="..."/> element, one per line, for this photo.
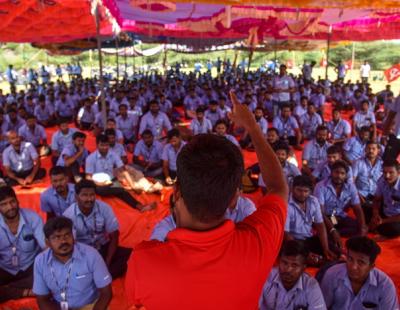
<point x="347" y="183"/>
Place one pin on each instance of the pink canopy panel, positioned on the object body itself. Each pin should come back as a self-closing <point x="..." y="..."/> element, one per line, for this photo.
<point x="161" y="18"/>
<point x="49" y="20"/>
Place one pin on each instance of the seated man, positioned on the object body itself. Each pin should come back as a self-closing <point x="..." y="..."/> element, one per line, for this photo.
<point x="288" y="285"/>
<point x="105" y="161"/>
<point x="200" y="124"/>
<point x="221" y="129"/>
<point x="21" y="239"/>
<point x="127" y="123"/>
<point x="237" y="213"/>
<point x="21" y="162"/>
<point x="354" y="147"/>
<point x="386" y="208"/>
<point x="288" y="127"/>
<point x="87" y="115"/>
<point x="147" y="155"/>
<point x="155" y="120"/>
<point x="262" y="122"/>
<point x="73" y="156"/>
<point x="96" y="225"/>
<point x="358" y="284"/>
<point x="367" y="171"/>
<point x="323" y="170"/>
<point x="14" y="121"/>
<point x="304" y="216"/>
<point x="309" y="122"/>
<point x="33" y="133"/>
<point x="364" y="118"/>
<point x="112" y="124"/>
<point x="212" y="113"/>
<point x="315" y="150"/>
<point x="69" y="274"/>
<point x="291" y="171"/>
<point x="57" y="198"/>
<point x="335" y="195"/>
<point x="44" y="113"/>
<point x="61" y="138"/>
<point x="170" y="154"/>
<point x="339" y="129"/>
<point x="116" y="147"/>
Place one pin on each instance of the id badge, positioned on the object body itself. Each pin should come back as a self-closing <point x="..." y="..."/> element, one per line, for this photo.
<point x="64" y="305"/>
<point x="334" y="220"/>
<point x="14" y="260"/>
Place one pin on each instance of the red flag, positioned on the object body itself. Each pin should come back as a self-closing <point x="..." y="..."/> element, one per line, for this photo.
<point x="392" y="73"/>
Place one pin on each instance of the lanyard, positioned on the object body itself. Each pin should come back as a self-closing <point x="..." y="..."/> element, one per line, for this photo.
<point x="63" y="292"/>
<point x="276" y="299"/>
<point x="90" y="231"/>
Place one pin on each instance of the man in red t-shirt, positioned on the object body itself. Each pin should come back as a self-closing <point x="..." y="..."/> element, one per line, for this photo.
<point x="209" y="262"/>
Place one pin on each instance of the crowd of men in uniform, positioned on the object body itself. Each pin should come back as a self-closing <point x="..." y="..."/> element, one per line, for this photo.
<point x="349" y="163"/>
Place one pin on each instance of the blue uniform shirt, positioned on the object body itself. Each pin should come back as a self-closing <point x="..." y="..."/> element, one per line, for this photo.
<point x="298" y="222"/>
<point x="354" y="148"/>
<point x="323" y="171"/>
<point x="315" y="154"/>
<point x="69" y="151"/>
<point x="390" y="195"/>
<point x="366" y="177"/>
<point x="306" y="292"/>
<point x="65" y="108"/>
<point x="35" y="137"/>
<point x="28" y="241"/>
<point x="244" y="207"/>
<point x="96" y="163"/>
<point x="43" y="114"/>
<point x="22" y="161"/>
<point x="171" y="155"/>
<point x="127" y="125"/>
<point x="289" y="170"/>
<point x="59" y="140"/>
<point x="285" y="127"/>
<point x="155" y="124"/>
<point x="151" y="154"/>
<point x="93" y="229"/>
<point x="378" y="289"/>
<point x="51" y="201"/>
<point x="309" y="124"/>
<point x="198" y="128"/>
<point x="88" y="274"/>
<point x="339" y="130"/>
<point x="334" y="205"/>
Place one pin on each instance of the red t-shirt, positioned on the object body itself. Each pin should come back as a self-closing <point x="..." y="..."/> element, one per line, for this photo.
<point x="224" y="268"/>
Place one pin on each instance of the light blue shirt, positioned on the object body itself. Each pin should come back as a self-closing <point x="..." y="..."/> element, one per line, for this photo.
<point x="127" y="125"/>
<point x="339" y="130"/>
<point x="43" y="114"/>
<point x="309" y="124"/>
<point x="354" y="148"/>
<point x="244" y="207"/>
<point x="214" y="117"/>
<point x="51" y="201"/>
<point x="306" y="292"/>
<point x="150" y="154"/>
<point x="28" y="241"/>
<point x="118" y="149"/>
<point x="22" y="161"/>
<point x="204" y="127"/>
<point x="93" y="229"/>
<point x="289" y="170"/>
<point x="391" y="207"/>
<point x="362" y="119"/>
<point x="366" y="176"/>
<point x="263" y="123"/>
<point x="96" y="163"/>
<point x="232" y="139"/>
<point x="59" y="140"/>
<point x="318" y="100"/>
<point x="298" y="222"/>
<point x="71" y="150"/>
<point x="169" y="154"/>
<point x="155" y="124"/>
<point x="88" y="274"/>
<point x="285" y="127"/>
<point x="65" y="108"/>
<point x="192" y="103"/>
<point x="284" y="83"/>
<point x="35" y="137"/>
<point x="334" y="205"/>
<point x="315" y="154"/>
<point x="323" y="171"/>
<point x="338" y="292"/>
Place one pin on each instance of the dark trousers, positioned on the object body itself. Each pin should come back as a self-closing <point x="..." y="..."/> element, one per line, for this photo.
<point x="39" y="175"/>
<point x="119" y="261"/>
<point x="347" y="226"/>
<point x="115" y="189"/>
<point x="392" y="149"/>
<point x="389" y="230"/>
<point x="13" y="286"/>
<point x="313" y="244"/>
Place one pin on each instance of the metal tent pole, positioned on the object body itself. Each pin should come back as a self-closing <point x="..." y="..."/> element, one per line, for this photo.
<point x="102" y="95"/>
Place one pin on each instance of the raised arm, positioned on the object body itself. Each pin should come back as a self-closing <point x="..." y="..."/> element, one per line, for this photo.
<point x="271" y="169"/>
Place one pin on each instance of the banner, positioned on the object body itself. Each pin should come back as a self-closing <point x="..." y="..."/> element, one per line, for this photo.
<point x="392" y="73"/>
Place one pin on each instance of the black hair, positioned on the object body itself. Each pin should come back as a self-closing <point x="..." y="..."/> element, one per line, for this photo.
<point x="281" y="145"/>
<point x="42" y="98"/>
<point x="391" y="163"/>
<point x="110" y="132"/>
<point x="30" y="116"/>
<point x="62" y="120"/>
<point x="364" y="245"/>
<point x="7" y="192"/>
<point x="57" y="170"/>
<point x="294" y="248"/>
<point x="111" y="120"/>
<point x="209" y="171"/>
<point x="56" y="224"/>
<point x="123" y="105"/>
<point x="147" y="132"/>
<point x="321" y="127"/>
<point x="302" y="181"/>
<point x="101" y="138"/>
<point x="200" y="110"/>
<point x="333" y="149"/>
<point x="84" y="184"/>
<point x="340" y="164"/>
<point x="284" y="106"/>
<point x="78" y="134"/>
<point x="173" y="133"/>
<point x="221" y="121"/>
<point x="213" y="102"/>
<point x="372" y="142"/>
<point x="364" y="128"/>
<point x="273" y="129"/>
